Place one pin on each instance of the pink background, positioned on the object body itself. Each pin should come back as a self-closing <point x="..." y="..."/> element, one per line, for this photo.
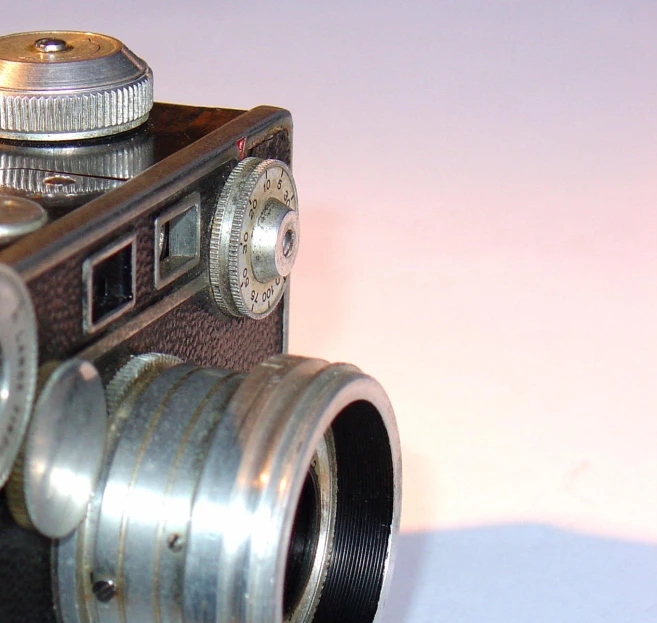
<point x="479" y="231"/>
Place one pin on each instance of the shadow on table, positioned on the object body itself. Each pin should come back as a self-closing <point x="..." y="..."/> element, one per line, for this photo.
<point x="522" y="573"/>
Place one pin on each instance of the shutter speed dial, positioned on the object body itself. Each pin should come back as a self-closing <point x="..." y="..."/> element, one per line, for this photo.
<point x="255" y="238"/>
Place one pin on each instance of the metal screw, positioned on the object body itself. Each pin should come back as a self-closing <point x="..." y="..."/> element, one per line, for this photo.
<point x="50" y="45"/>
<point x="104" y="590"/>
<point x="288" y="242"/>
<point x="176" y="543"/>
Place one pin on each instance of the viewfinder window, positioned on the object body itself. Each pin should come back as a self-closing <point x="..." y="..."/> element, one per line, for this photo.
<point x="177" y="240"/>
<point x="110" y="283"/>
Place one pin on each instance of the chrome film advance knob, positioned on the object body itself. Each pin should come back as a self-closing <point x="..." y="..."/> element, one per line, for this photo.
<point x="255" y="238"/>
<point x="64" y="85"/>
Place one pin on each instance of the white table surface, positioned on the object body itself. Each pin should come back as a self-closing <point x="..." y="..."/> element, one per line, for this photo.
<point x="479" y="231"/>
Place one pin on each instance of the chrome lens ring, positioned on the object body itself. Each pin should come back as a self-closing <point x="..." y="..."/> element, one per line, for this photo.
<point x="312" y="536"/>
<point x="284" y="409"/>
<point x="272" y="496"/>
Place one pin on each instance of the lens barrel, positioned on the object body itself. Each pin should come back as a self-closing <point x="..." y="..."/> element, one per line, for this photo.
<point x="267" y="497"/>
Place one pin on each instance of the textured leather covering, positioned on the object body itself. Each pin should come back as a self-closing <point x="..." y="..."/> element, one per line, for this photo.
<point x="192" y="332"/>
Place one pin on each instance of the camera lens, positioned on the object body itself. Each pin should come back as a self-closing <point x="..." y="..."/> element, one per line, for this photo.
<point x="266" y="497"/>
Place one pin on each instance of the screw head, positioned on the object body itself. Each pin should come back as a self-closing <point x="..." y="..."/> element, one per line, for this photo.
<point x="176" y="543"/>
<point x="104" y="590"/>
<point x="288" y="242"/>
<point x="50" y="45"/>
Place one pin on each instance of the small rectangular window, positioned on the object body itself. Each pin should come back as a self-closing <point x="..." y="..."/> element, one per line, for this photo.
<point x="177" y="240"/>
<point x="110" y="283"/>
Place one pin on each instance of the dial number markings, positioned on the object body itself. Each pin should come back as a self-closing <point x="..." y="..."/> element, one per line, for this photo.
<point x="255" y="236"/>
<point x="262" y="297"/>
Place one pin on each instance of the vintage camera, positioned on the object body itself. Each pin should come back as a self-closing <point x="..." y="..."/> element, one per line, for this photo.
<point x="162" y="459"/>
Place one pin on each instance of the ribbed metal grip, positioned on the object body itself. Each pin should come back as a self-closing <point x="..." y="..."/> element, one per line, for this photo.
<point x="66" y="85"/>
<point x="48" y="173"/>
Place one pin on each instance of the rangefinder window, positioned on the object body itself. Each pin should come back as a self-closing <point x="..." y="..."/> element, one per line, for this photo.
<point x="177" y="240"/>
<point x="110" y="283"/>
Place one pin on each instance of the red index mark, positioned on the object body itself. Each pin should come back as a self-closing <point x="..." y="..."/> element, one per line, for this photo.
<point x="241" y="144"/>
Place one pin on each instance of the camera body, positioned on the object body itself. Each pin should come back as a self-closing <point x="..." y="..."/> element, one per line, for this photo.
<point x="193" y="149"/>
<point x="162" y="458"/>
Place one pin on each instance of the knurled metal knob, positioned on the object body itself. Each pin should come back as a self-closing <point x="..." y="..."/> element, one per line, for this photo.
<point x="255" y="238"/>
<point x="64" y="85"/>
